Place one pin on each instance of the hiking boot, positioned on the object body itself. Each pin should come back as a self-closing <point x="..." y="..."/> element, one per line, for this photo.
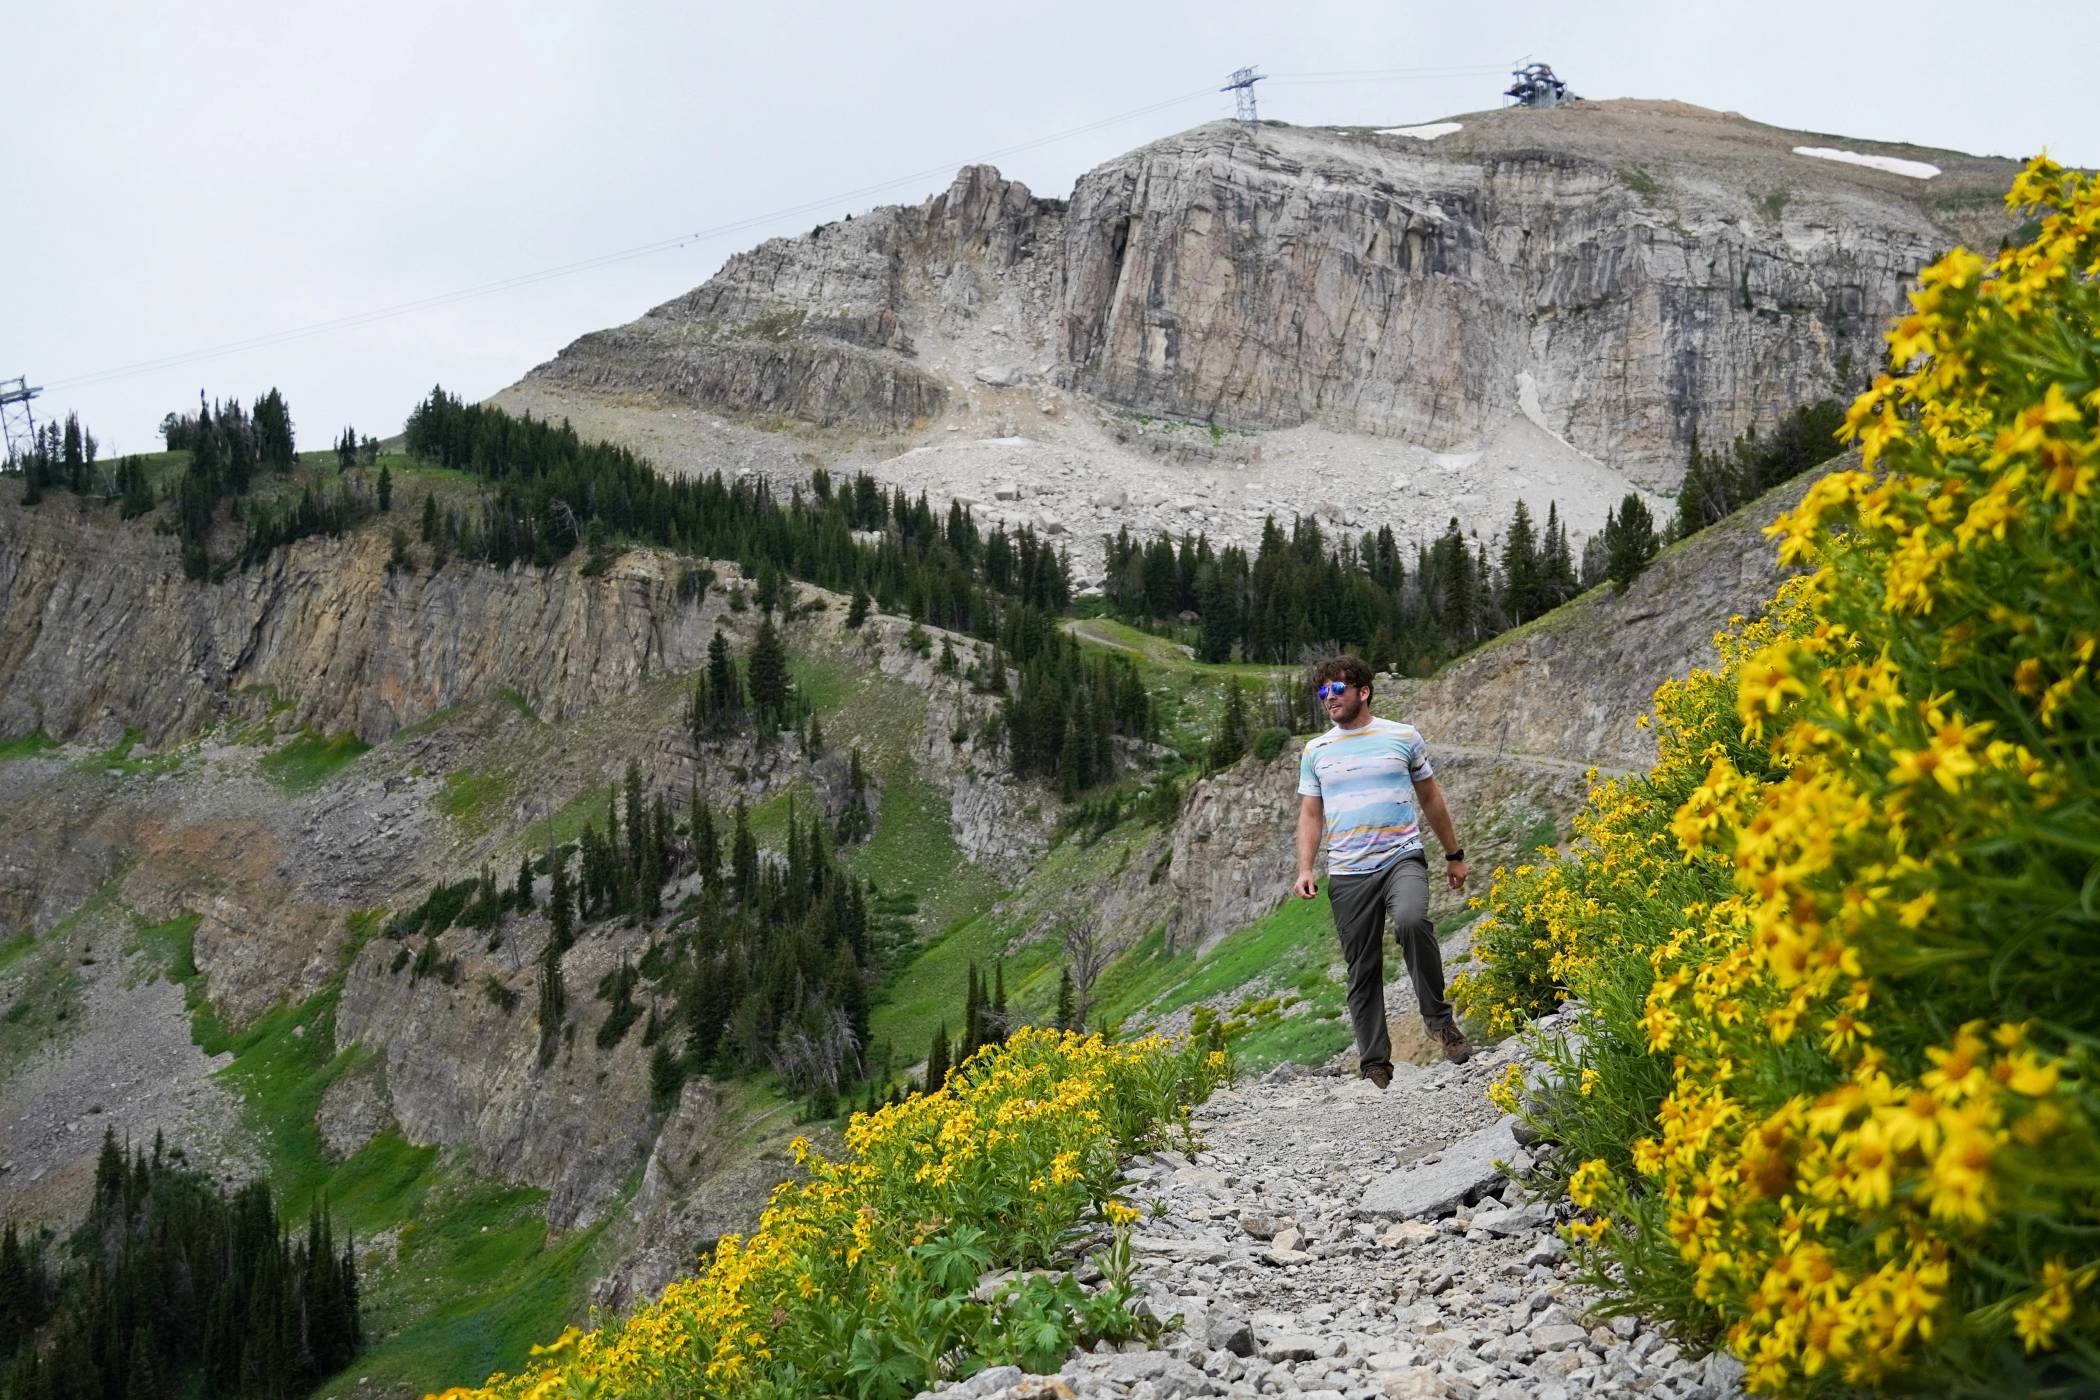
<point x="1457" y="1049"/>
<point x="1380" y="1075"/>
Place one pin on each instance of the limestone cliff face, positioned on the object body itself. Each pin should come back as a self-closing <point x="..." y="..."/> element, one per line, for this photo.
<point x="1395" y="286"/>
<point x="1624" y="274"/>
<point x="102" y="631"/>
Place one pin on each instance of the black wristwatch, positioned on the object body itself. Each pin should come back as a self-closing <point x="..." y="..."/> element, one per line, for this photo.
<point x="1453" y="857"/>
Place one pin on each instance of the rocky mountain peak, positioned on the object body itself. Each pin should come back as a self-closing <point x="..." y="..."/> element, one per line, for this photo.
<point x="1409" y="323"/>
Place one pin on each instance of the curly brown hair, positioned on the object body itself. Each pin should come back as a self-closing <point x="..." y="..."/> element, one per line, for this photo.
<point x="1349" y="670"/>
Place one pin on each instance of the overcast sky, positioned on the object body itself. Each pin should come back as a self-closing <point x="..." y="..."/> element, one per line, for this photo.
<point x="189" y="176"/>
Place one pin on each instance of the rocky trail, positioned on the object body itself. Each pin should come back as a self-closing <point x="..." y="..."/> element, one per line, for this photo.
<point x="1329" y="1240"/>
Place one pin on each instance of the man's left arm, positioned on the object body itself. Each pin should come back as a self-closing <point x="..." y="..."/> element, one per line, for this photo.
<point x="1430" y="798"/>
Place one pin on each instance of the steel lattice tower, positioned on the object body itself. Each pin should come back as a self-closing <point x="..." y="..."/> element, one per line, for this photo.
<point x="1241" y="83"/>
<point x="17" y="421"/>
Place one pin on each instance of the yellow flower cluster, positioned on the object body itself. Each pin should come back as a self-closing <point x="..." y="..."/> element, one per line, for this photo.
<point x="1839" y="1084"/>
<point x="1018" y="1146"/>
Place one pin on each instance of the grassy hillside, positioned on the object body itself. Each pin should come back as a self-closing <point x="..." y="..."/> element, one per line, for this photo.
<point x="463" y="1272"/>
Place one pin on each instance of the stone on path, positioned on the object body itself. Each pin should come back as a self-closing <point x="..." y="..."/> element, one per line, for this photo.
<point x="1444" y="1181"/>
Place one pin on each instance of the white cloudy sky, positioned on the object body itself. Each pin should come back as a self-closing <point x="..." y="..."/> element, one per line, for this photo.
<point x="187" y="176"/>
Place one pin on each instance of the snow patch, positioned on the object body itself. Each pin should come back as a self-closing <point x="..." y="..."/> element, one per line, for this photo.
<point x="1916" y="169"/>
<point x="1429" y="131"/>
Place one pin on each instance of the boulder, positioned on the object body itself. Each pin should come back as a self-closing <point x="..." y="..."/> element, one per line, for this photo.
<point x="1441" y="1183"/>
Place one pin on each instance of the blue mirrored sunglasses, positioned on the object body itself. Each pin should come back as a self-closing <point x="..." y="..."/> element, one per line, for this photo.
<point x="1331" y="689"/>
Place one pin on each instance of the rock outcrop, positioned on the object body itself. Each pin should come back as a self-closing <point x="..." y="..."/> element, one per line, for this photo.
<point x="103" y="632"/>
<point x="1573" y="685"/>
<point x="822" y="329"/>
<point x="465" y="1070"/>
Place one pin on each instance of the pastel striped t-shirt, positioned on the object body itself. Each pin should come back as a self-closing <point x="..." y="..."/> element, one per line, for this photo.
<point x="1365" y="780"/>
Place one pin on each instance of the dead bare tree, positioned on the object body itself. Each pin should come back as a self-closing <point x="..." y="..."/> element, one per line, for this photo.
<point x="568" y="518"/>
<point x="1085" y="957"/>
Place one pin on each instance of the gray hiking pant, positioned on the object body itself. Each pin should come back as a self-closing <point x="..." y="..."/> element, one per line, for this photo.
<point x="1362" y="906"/>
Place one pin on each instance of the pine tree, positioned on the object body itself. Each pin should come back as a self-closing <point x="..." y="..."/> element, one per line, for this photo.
<point x="857" y="609"/>
<point x="553" y="1001"/>
<point x="561" y="917"/>
<point x="996" y="1030"/>
<point x="109" y="1177"/>
<point x="855" y="821"/>
<point x="1594" y="554"/>
<point x="1457" y="586"/>
<point x="1629" y="541"/>
<point x="524" y="895"/>
<point x="1228" y="742"/>
<point x="1520" y="568"/>
<point x="937" y="1059"/>
<point x="973" y="1017"/>
<point x="850" y="990"/>
<point x="386" y="488"/>
<point x="430" y="518"/>
<point x="1065" y="1007"/>
<point x="17" y="1300"/>
<point x="769" y="677"/>
<point x="666" y="1075"/>
<point x="707" y="847"/>
<point x="1706" y="493"/>
<point x="723" y="688"/>
<point x="1218" y="605"/>
<point x="1557" y="581"/>
<point x="743" y="859"/>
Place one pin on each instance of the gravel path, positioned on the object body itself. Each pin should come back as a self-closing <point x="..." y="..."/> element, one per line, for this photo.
<point x="1334" y="1241"/>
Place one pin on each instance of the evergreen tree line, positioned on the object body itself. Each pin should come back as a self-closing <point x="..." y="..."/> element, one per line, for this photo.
<point x="1062" y="717"/>
<point x="985" y="1021"/>
<point x="1303" y="592"/>
<point x="1298" y="593"/>
<point x="727" y="699"/>
<point x="1716" y="484"/>
<point x="232" y="451"/>
<point x="1306" y="591"/>
<point x="1059" y="720"/>
<point x="549" y="487"/>
<point x="169" y="1286"/>
<point x="59" y="457"/>
<point x="769" y="965"/>
<point x="64" y="457"/>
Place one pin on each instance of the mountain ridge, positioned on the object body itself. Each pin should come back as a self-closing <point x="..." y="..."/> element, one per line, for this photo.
<point x="1543" y="305"/>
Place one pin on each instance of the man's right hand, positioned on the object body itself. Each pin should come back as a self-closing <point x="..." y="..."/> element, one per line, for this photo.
<point x="1308" y="885"/>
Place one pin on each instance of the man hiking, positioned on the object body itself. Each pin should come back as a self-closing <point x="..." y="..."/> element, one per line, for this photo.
<point x="1365" y="785"/>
